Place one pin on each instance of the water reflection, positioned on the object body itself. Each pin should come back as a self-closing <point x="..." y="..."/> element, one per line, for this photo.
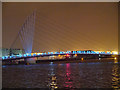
<point x="67" y="75"/>
<point x="115" y="76"/>
<point x="3" y="66"/>
<point x="68" y="79"/>
<point x="115" y="60"/>
<point x="52" y="79"/>
<point x="51" y="69"/>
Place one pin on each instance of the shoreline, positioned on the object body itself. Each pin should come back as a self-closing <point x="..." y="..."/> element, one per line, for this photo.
<point x="60" y="61"/>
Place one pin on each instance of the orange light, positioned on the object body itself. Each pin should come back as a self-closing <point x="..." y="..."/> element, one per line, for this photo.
<point x="75" y="54"/>
<point x="82" y="59"/>
<point x="59" y="55"/>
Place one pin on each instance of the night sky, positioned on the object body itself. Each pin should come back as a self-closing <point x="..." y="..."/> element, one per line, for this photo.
<point x="64" y="26"/>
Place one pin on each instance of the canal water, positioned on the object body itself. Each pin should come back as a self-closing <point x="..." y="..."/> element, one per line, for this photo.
<point x="69" y="75"/>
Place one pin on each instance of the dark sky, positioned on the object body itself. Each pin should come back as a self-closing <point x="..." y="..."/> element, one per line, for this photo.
<point x="64" y="26"/>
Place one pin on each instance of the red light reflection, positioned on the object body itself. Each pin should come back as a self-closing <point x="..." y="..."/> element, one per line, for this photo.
<point x="68" y="81"/>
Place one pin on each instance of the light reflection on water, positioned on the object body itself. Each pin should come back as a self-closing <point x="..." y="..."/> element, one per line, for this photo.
<point x="116" y="77"/>
<point x="69" y="75"/>
<point x="68" y="79"/>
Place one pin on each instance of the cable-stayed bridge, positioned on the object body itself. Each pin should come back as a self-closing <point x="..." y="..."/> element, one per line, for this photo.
<point x="35" y="27"/>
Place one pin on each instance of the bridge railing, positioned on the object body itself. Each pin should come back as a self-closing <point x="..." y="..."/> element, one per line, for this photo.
<point x="57" y="53"/>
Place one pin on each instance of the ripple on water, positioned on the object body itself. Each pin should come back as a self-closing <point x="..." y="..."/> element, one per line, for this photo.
<point x="69" y="75"/>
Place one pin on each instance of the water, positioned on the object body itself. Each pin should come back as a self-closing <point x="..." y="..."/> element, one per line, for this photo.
<point x="69" y="75"/>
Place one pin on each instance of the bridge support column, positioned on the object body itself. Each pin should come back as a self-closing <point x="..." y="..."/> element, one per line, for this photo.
<point x="30" y="60"/>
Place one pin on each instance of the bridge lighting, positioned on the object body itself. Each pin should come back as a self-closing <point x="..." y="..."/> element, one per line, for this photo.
<point x="17" y="55"/>
<point x="44" y="53"/>
<point x="27" y="54"/>
<point x="87" y="52"/>
<point x="115" y="52"/>
<point x="61" y="52"/>
<point x="74" y="52"/>
<point x="78" y="51"/>
<point x="10" y="56"/>
<point x="3" y="57"/>
<point x="84" y="52"/>
<point x="97" y="52"/>
<point x="108" y="52"/>
<point x="20" y="55"/>
<point x="82" y="59"/>
<point x="68" y="52"/>
<point x="38" y="53"/>
<point x="67" y="55"/>
<point x="51" y="52"/>
<point x="101" y="52"/>
<point x="48" y="52"/>
<point x="24" y="55"/>
<point x="6" y="57"/>
<point x="76" y="55"/>
<point x="32" y="54"/>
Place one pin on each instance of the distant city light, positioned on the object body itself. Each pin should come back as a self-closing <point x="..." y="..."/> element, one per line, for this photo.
<point x="115" y="52"/>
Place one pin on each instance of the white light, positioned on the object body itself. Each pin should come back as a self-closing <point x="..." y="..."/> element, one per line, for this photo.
<point x="115" y="58"/>
<point x="115" y="52"/>
<point x="52" y="56"/>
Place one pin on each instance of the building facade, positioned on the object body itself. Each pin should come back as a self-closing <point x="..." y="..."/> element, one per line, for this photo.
<point x="8" y="52"/>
